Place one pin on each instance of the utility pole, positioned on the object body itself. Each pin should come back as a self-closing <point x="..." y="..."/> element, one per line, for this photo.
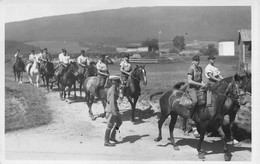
<point x="159" y="42"/>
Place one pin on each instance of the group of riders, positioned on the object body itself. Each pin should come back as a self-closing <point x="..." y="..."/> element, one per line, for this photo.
<point x="83" y="62"/>
<point x="114" y="120"/>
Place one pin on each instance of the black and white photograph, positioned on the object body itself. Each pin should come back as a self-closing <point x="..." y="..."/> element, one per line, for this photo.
<point x="129" y="81"/>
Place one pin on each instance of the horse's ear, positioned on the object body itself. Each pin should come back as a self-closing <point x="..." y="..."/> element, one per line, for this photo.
<point x="143" y="66"/>
<point x="137" y="66"/>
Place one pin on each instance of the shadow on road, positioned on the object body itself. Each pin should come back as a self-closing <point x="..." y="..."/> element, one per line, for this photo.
<point x="140" y="115"/>
<point x="214" y="147"/>
<point x="133" y="138"/>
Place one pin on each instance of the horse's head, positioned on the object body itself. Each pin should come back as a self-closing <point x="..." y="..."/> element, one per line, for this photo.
<point x="140" y="73"/>
<point x="238" y="87"/>
<point x="73" y="68"/>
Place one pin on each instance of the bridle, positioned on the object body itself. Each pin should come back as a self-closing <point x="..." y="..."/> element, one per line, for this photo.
<point x="142" y="69"/>
<point x="227" y="91"/>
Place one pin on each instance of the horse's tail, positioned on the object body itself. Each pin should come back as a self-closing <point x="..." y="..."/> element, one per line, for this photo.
<point x="152" y="104"/>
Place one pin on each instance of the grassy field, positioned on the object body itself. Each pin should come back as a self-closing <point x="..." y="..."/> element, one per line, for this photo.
<point x="25" y="106"/>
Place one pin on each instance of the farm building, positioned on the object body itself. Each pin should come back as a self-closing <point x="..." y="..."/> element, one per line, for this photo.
<point x="132" y="49"/>
<point x="244" y="44"/>
<point x="226" y="48"/>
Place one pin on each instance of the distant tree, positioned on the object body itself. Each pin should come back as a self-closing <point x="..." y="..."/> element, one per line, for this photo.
<point x="179" y="42"/>
<point x="209" y="50"/>
<point x="152" y="44"/>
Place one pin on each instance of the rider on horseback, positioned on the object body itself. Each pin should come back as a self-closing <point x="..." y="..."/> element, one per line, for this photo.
<point x="63" y="62"/>
<point x="17" y="55"/>
<point x="195" y="82"/>
<point x="32" y="57"/>
<point x="213" y="75"/>
<point x="102" y="71"/>
<point x="126" y="69"/>
<point x="83" y="62"/>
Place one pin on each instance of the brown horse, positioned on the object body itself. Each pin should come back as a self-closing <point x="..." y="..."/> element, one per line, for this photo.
<point x="203" y="116"/>
<point x="18" y="69"/>
<point x="68" y="79"/>
<point x="47" y="73"/>
<point x="90" y="71"/>
<point x="133" y="91"/>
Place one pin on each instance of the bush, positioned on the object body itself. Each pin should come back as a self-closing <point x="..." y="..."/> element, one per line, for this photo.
<point x="209" y="50"/>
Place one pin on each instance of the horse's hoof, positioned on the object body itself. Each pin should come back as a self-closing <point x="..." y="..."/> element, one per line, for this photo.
<point x="93" y="118"/>
<point x="227" y="157"/>
<point x="201" y="155"/>
<point x="176" y="148"/>
<point x="236" y="143"/>
<point x="158" y="139"/>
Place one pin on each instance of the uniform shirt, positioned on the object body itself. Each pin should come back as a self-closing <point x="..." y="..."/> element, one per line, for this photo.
<point x="112" y="96"/>
<point x="196" y="73"/>
<point x="61" y="55"/>
<point x="39" y="56"/>
<point x="32" y="57"/>
<point x="46" y="56"/>
<point x="66" y="59"/>
<point x="83" y="60"/>
<point x="126" y="66"/>
<point x="214" y="71"/>
<point x="101" y="66"/>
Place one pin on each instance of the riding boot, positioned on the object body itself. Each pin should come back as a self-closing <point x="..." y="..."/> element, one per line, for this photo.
<point x="107" y="135"/>
<point x="113" y="135"/>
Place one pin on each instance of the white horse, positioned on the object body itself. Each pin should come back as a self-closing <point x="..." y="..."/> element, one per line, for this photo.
<point x="34" y="73"/>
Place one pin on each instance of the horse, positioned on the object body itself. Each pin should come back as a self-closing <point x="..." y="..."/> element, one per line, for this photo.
<point x="67" y="79"/>
<point x="92" y="90"/>
<point x="18" y="69"/>
<point x="47" y="72"/>
<point x="133" y="90"/>
<point x="34" y="73"/>
<point x="231" y="87"/>
<point x="90" y="71"/>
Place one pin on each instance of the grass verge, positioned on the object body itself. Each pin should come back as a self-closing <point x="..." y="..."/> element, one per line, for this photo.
<point x="25" y="106"/>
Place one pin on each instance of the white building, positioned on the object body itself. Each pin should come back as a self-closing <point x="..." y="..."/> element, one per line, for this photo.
<point x="226" y="48"/>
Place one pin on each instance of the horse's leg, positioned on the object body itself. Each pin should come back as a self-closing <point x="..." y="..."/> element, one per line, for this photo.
<point x="227" y="155"/>
<point x="90" y="102"/>
<point x="14" y="75"/>
<point x="104" y="106"/>
<point x="47" y="82"/>
<point x="232" y="119"/>
<point x="160" y="123"/>
<point x="202" y="131"/>
<point x="75" y="95"/>
<point x="171" y="128"/>
<point x="80" y="86"/>
<point x="37" y="80"/>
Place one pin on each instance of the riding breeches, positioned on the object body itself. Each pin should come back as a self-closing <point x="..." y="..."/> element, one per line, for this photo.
<point x="113" y="120"/>
<point x="193" y="95"/>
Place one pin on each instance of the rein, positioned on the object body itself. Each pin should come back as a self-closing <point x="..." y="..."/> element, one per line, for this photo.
<point x="227" y="91"/>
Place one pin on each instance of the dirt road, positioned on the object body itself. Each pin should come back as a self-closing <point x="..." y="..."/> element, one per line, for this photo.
<point x="72" y="135"/>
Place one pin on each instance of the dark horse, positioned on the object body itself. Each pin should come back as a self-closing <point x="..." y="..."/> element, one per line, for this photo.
<point x="68" y="79"/>
<point x="47" y="72"/>
<point x="90" y="71"/>
<point x="133" y="90"/>
<point x="203" y="116"/>
<point x="18" y="69"/>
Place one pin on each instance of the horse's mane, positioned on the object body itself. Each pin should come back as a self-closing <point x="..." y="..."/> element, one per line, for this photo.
<point x="178" y="85"/>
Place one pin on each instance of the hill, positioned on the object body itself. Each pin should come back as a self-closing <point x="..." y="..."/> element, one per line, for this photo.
<point x="121" y="26"/>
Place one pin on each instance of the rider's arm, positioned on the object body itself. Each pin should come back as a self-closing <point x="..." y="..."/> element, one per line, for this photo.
<point x="190" y="81"/>
<point x="213" y="77"/>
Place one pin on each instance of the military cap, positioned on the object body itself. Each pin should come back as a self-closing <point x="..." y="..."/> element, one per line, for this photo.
<point x="211" y="57"/>
<point x="114" y="78"/>
<point x="196" y="58"/>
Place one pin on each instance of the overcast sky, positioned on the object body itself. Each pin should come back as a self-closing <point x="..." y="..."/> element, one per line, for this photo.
<point x="17" y="10"/>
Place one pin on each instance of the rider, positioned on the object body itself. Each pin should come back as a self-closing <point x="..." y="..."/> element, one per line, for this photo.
<point x="102" y="71"/>
<point x="114" y="119"/>
<point x="63" y="62"/>
<point x="195" y="82"/>
<point x="83" y="62"/>
<point x="213" y="75"/>
<point x="126" y="70"/>
<point x="32" y="57"/>
<point x="17" y="55"/>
